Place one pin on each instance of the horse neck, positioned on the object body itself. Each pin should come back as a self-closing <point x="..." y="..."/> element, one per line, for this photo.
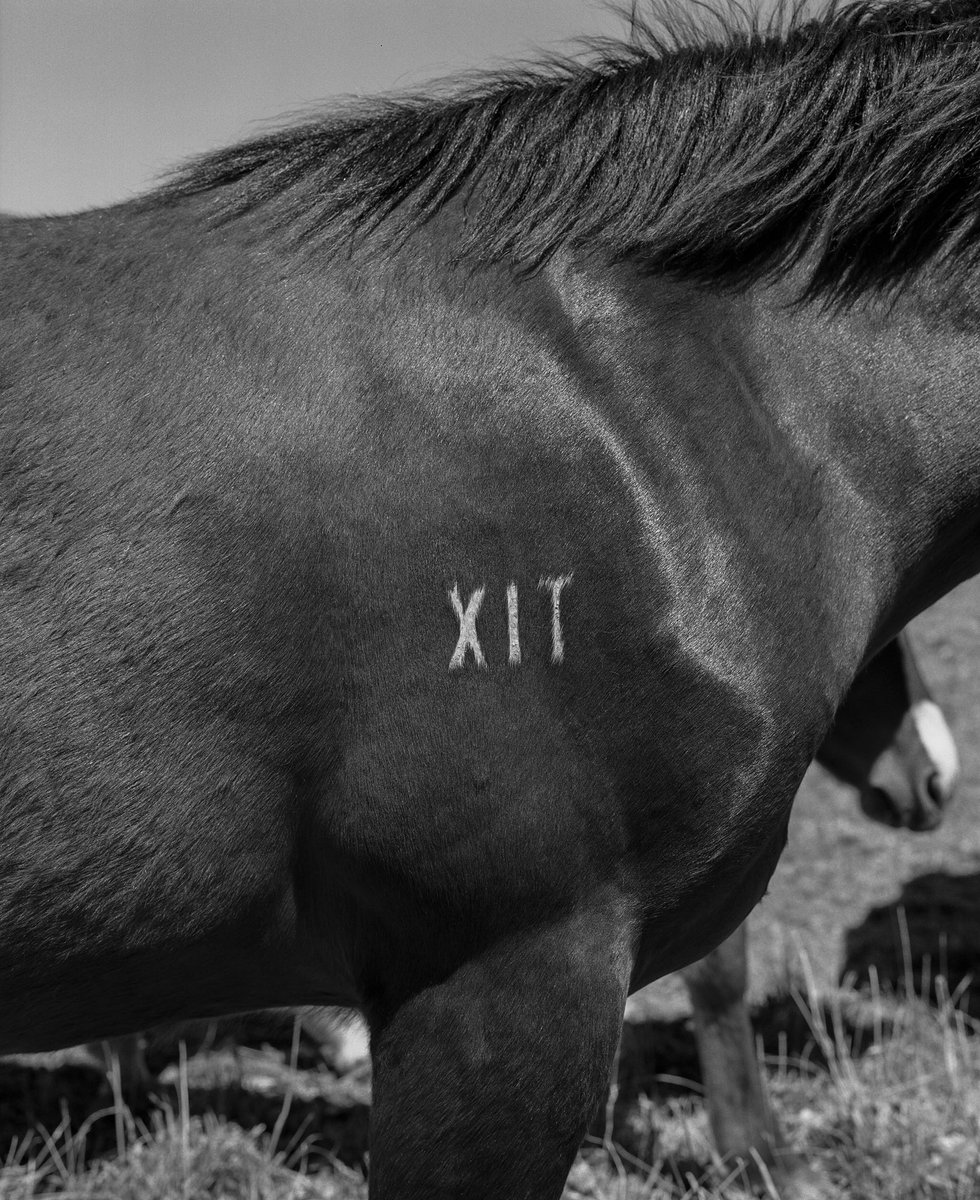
<point x="830" y="462"/>
<point x="882" y="400"/>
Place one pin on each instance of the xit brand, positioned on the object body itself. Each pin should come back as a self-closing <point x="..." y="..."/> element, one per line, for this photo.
<point x="468" y="642"/>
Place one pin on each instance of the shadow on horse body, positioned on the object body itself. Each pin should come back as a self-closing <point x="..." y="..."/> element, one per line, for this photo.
<point x="891" y="742"/>
<point x="435" y="540"/>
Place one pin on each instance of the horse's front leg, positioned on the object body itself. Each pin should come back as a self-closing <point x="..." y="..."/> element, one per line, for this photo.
<point x="741" y="1120"/>
<point x="485" y="1082"/>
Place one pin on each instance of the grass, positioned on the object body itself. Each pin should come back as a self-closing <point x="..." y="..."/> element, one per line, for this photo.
<point x="883" y="1103"/>
<point x="173" y="1156"/>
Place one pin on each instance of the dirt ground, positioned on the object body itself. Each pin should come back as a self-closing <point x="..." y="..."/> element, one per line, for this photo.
<point x="842" y="878"/>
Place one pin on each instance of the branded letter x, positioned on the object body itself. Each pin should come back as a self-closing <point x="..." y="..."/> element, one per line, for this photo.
<point x="467" y="628"/>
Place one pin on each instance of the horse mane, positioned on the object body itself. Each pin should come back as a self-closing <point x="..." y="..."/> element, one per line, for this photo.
<point x="721" y="152"/>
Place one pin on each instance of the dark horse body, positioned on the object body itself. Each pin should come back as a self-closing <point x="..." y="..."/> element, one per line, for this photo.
<point x="264" y="500"/>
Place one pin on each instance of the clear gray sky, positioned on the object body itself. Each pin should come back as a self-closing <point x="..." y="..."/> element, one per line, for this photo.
<point x="97" y="97"/>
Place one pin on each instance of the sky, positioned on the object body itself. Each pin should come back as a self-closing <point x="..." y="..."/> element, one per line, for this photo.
<point x="98" y="97"/>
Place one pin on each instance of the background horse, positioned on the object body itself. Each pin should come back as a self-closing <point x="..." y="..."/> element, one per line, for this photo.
<point x="434" y="541"/>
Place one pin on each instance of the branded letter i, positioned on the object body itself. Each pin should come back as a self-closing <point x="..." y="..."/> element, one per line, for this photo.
<point x="513" y="632"/>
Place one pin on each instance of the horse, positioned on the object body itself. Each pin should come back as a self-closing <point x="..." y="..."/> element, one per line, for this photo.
<point x="889" y="741"/>
<point x="435" y="539"/>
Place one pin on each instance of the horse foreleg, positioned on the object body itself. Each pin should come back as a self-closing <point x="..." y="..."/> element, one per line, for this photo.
<point x="484" y="1083"/>
<point x="741" y="1121"/>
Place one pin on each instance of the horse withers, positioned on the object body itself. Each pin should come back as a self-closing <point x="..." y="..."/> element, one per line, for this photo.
<point x="435" y="539"/>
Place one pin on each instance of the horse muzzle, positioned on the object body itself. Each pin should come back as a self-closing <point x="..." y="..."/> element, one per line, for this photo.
<point x="913" y="781"/>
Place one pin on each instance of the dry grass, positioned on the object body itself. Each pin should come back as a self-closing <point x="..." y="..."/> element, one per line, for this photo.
<point x="173" y="1156"/>
<point x="883" y="1105"/>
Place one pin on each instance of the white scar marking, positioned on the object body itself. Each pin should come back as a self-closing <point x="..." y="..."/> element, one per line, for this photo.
<point x="467" y="628"/>
<point x="937" y="740"/>
<point x="557" y="640"/>
<point x="513" y="633"/>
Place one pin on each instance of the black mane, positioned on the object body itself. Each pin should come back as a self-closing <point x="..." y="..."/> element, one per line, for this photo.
<point x="722" y="154"/>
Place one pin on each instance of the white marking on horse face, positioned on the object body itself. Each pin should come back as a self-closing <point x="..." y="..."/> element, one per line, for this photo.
<point x="937" y="740"/>
<point x="467" y="628"/>
<point x="513" y="633"/>
<point x="557" y="640"/>
<point x="351" y="1046"/>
